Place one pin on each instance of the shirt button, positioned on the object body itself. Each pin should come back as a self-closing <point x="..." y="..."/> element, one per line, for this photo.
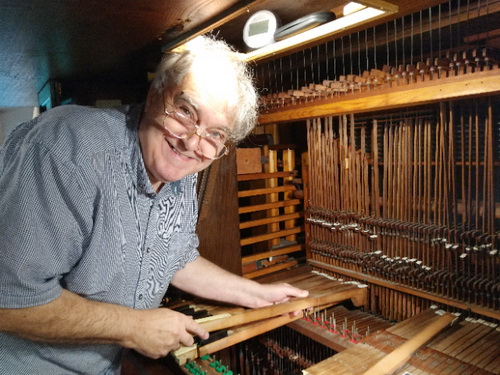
<point x="147" y="250"/>
<point x="140" y="296"/>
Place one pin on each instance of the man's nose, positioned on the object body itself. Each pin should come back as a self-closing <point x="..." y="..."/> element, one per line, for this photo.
<point x="192" y="141"/>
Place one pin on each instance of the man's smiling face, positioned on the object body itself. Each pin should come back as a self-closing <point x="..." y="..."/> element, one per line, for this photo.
<point x="166" y="157"/>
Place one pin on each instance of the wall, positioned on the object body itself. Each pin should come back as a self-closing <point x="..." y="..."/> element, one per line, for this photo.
<point x="11" y="117"/>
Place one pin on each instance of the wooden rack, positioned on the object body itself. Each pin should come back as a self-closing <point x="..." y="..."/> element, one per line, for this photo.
<point x="271" y="206"/>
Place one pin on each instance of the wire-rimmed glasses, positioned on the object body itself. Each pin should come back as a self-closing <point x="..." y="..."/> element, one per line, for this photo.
<point x="211" y="144"/>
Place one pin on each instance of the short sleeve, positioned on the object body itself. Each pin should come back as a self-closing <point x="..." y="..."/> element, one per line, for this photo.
<point x="41" y="224"/>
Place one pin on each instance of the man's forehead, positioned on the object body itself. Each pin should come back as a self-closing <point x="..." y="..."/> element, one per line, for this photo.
<point x="186" y="97"/>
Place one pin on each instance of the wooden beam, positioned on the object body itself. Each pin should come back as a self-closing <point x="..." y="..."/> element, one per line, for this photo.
<point x="261" y="176"/>
<point x="270" y="236"/>
<point x="266" y="206"/>
<point x="269" y="220"/>
<point x="253" y="192"/>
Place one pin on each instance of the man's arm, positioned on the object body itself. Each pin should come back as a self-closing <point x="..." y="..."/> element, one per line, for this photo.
<point x="205" y="279"/>
<point x="76" y="320"/>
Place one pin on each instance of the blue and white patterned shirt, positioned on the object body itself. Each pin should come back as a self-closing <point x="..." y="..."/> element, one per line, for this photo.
<point x="77" y="211"/>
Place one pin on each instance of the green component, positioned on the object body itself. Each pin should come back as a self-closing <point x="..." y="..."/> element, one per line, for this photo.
<point x="206" y="357"/>
<point x="221" y="369"/>
<point x="215" y="364"/>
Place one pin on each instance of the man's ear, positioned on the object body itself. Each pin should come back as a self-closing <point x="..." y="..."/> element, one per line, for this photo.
<point x="151" y="99"/>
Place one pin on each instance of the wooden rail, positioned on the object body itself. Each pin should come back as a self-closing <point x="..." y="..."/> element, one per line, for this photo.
<point x="269" y="220"/>
<point x="267" y="206"/>
<point x="476" y="84"/>
<point x="270" y="236"/>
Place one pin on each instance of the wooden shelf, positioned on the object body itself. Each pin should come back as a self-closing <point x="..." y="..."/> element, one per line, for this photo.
<point x="414" y="94"/>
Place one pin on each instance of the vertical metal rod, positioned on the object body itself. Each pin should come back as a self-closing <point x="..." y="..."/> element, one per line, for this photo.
<point x="411" y="40"/>
<point x="366" y="51"/>
<point x="395" y="43"/>
<point x="313" y="78"/>
<point x="387" y="42"/>
<point x="343" y="55"/>
<point x="305" y="70"/>
<point x="275" y="76"/>
<point x="281" y="75"/>
<point x="297" y="85"/>
<point x="327" y="65"/>
<point x="351" y="71"/>
<point x="319" y="65"/>
<point x="359" y="56"/>
<point x="421" y="38"/>
<point x="403" y="42"/>
<point x="449" y="21"/>
<point x="430" y="33"/>
<point x="334" y="53"/>
<point x="439" y="30"/>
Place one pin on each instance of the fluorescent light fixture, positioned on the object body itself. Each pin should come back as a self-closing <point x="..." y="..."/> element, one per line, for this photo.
<point x="363" y="14"/>
<point x="352" y="7"/>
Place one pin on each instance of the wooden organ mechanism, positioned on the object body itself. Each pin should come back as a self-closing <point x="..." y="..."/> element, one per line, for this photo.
<point x="400" y="172"/>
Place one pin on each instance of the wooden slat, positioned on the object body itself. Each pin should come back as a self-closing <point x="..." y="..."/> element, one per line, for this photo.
<point x="268" y="270"/>
<point x="262" y="176"/>
<point x="253" y="192"/>
<point x="270" y="236"/>
<point x="475" y="84"/>
<point x="269" y="220"/>
<point x="266" y="206"/>
<point x="272" y="253"/>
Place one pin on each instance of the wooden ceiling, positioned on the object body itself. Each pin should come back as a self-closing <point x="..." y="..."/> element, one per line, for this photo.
<point x="42" y="39"/>
<point x="118" y="39"/>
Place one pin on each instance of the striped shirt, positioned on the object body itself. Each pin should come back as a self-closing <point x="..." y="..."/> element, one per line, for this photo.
<point x="77" y="211"/>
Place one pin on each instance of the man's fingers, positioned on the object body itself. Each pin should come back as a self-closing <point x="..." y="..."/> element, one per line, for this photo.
<point x="197" y="330"/>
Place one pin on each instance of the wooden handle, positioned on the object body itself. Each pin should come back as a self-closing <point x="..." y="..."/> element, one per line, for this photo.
<point x="391" y="362"/>
<point x="223" y="321"/>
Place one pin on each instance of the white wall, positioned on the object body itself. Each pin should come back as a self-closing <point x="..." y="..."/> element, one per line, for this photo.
<point x="11" y="117"/>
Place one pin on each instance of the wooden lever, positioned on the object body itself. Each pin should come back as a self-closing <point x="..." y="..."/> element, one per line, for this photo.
<point x="238" y="335"/>
<point x="223" y="321"/>
<point x="402" y="354"/>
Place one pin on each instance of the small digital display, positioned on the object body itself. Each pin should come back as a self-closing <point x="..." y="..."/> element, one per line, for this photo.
<point x="260" y="27"/>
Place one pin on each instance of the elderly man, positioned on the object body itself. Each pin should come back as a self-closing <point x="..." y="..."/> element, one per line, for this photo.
<point x="98" y="215"/>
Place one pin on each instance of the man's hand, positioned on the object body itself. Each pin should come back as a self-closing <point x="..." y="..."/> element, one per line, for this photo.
<point x="75" y="320"/>
<point x="277" y="293"/>
<point x="160" y="331"/>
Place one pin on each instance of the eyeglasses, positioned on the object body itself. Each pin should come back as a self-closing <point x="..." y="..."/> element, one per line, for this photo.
<point x="211" y="144"/>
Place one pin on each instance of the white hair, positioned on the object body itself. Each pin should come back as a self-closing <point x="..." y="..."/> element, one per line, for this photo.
<point x="176" y="66"/>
